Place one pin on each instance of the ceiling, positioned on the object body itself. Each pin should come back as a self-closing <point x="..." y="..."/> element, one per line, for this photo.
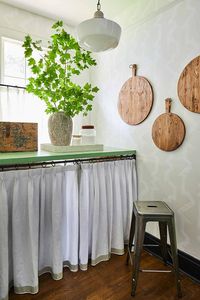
<point x="71" y="12"/>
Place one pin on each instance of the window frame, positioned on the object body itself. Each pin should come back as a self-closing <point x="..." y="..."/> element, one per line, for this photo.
<point x="2" y="60"/>
<point x="3" y="75"/>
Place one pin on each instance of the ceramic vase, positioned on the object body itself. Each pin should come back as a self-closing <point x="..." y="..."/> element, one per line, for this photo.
<point x="60" y="129"/>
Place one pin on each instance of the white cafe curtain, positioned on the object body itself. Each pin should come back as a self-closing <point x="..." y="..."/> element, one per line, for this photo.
<point x="62" y="216"/>
<point x="16" y="105"/>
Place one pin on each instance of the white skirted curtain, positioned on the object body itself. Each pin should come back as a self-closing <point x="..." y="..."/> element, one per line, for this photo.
<point x="62" y="216"/>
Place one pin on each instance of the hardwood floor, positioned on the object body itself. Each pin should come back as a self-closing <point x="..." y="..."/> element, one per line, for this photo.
<point x="112" y="281"/>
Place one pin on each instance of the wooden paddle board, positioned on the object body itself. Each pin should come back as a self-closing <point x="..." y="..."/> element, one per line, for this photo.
<point x="135" y="99"/>
<point x="189" y="86"/>
<point x="168" y="131"/>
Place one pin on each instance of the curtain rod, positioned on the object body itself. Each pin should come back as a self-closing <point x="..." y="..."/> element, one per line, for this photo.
<point x="12" y="86"/>
<point x="45" y="164"/>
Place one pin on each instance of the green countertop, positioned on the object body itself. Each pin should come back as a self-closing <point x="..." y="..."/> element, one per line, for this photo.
<point x="42" y="156"/>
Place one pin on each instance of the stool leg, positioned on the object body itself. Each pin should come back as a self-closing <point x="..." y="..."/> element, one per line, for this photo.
<point x="163" y="240"/>
<point x="172" y="235"/>
<point x="131" y="236"/>
<point x="139" y="239"/>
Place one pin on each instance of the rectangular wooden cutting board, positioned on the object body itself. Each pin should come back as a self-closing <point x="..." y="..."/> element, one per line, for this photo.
<point x="18" y="137"/>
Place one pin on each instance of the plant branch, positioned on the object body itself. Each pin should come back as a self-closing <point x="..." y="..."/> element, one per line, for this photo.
<point x="52" y="81"/>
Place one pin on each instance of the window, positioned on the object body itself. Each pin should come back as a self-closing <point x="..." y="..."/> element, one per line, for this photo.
<point x="15" y="104"/>
<point x="15" y="70"/>
<point x="13" y="63"/>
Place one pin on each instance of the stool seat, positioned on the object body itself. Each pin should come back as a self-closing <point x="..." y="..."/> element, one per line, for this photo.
<point x="153" y="208"/>
<point x="152" y="211"/>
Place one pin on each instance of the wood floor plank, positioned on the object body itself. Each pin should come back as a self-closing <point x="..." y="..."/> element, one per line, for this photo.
<point x="112" y="281"/>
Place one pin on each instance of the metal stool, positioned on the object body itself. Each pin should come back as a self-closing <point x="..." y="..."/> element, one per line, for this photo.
<point x="152" y="211"/>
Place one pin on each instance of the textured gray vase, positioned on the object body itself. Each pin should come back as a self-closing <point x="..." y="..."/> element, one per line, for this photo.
<point x="60" y="129"/>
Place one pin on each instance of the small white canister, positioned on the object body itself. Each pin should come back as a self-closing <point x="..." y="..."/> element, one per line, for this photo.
<point x="88" y="134"/>
<point x="76" y="140"/>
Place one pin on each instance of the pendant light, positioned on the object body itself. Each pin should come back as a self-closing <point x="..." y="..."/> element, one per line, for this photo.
<point x="98" y="34"/>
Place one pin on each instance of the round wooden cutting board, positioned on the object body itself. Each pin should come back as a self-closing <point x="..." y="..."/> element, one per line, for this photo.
<point x="135" y="99"/>
<point x="189" y="86"/>
<point x="168" y="130"/>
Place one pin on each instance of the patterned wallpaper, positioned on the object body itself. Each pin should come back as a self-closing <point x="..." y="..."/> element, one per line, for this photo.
<point x="161" y="43"/>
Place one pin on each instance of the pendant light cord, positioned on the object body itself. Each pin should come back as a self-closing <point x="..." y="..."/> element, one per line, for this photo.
<point x="98" y="5"/>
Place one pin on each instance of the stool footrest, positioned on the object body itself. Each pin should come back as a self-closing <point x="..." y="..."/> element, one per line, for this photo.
<point x="147" y="245"/>
<point x="155" y="271"/>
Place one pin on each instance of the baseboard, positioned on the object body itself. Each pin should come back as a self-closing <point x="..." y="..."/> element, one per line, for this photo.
<point x="188" y="264"/>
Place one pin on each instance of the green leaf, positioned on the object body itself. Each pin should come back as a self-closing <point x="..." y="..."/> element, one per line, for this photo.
<point x="57" y="24"/>
<point x="89" y="107"/>
<point x="31" y="61"/>
<point x="37" y="47"/>
<point x="28" y="52"/>
<point x="35" y="69"/>
<point x="27" y="41"/>
<point x="77" y="72"/>
<point x="95" y="89"/>
<point x="87" y="86"/>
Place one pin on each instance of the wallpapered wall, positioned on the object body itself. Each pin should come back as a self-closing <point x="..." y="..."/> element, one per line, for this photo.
<point x="161" y="43"/>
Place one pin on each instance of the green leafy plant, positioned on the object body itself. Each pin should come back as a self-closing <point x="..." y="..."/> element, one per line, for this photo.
<point x="53" y="74"/>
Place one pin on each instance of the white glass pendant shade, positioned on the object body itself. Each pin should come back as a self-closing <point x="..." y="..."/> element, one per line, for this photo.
<point x="98" y="34"/>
